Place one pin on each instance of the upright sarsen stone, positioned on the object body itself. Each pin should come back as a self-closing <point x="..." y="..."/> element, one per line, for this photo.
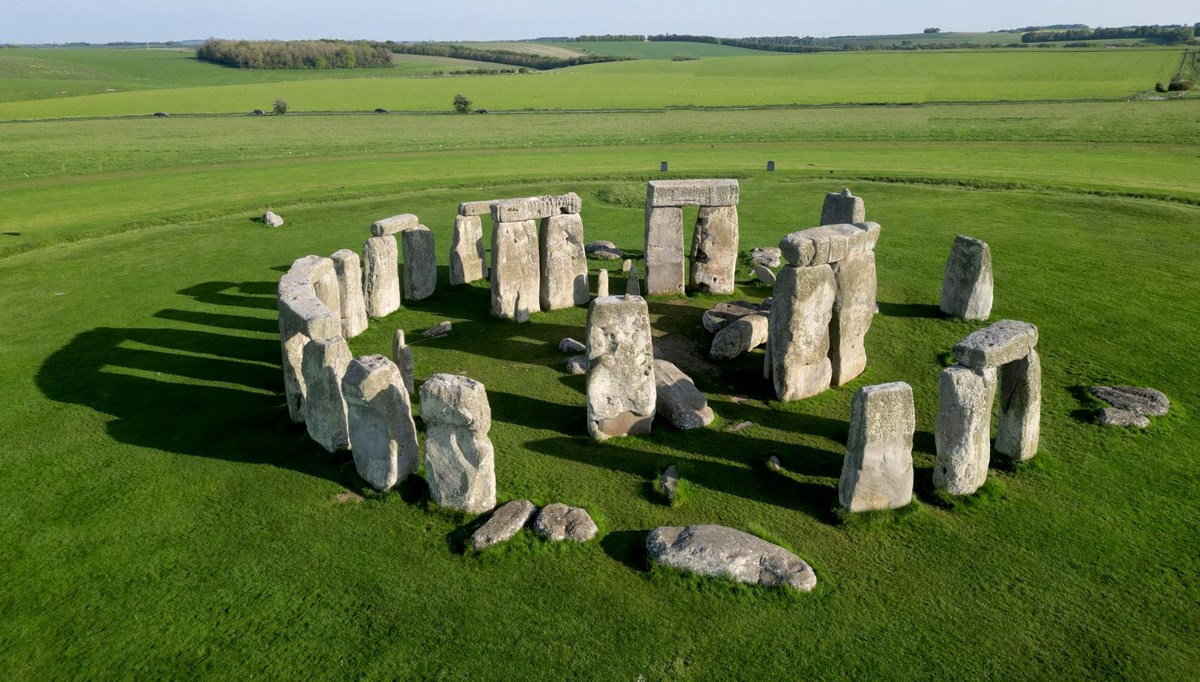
<point x="381" y="277"/>
<point x="383" y="436"/>
<point x="842" y="207"/>
<point x="402" y="356"/>
<point x="468" y="261"/>
<point x="963" y="429"/>
<point x="420" y="263"/>
<point x="564" y="267"/>
<point x="799" y="331"/>
<point x="516" y="288"/>
<point x="877" y="472"/>
<point x="459" y="459"/>
<point x="664" y="250"/>
<point x="602" y="283"/>
<point x="967" y="282"/>
<point x="325" y="363"/>
<point x="715" y="250"/>
<point x="1020" y="410"/>
<point x="853" y="312"/>
<point x="621" y="393"/>
<point x="354" y="307"/>
<point x="309" y="304"/>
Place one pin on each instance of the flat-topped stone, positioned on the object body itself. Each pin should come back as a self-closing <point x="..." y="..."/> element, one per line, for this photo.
<point x="996" y="344"/>
<point x="842" y="207"/>
<point x="1136" y="399"/>
<point x="560" y="522"/>
<point x="829" y="243"/>
<point x="535" y="208"/>
<point x="504" y="523"/>
<point x="679" y="401"/>
<point x="692" y="193"/>
<point x="722" y="315"/>
<point x="476" y="208"/>
<point x="877" y="472"/>
<point x="711" y="550"/>
<point x="394" y="225"/>
<point x="967" y="284"/>
<point x="769" y="256"/>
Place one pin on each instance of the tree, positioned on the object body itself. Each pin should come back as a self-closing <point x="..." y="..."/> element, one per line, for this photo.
<point x="461" y="104"/>
<point x="281" y="106"/>
<point x="933" y="30"/>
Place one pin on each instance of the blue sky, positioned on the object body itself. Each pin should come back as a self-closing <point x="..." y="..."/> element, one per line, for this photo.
<point x="113" y="20"/>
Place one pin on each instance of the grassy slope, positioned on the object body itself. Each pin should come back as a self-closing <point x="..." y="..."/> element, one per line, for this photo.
<point x="733" y="81"/>
<point x="660" y="50"/>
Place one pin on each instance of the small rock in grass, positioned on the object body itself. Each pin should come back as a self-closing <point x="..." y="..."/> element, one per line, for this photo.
<point x="1115" y="416"/>
<point x="559" y="522"/>
<point x="569" y="345"/>
<point x="603" y="250"/>
<point x="740" y="426"/>
<point x="626" y="265"/>
<point x="770" y="256"/>
<point x="669" y="481"/>
<point x="577" y="364"/>
<point x="504" y="523"/>
<point x="773" y="464"/>
<point x="764" y="275"/>
<point x="272" y="219"/>
<point x="441" y="329"/>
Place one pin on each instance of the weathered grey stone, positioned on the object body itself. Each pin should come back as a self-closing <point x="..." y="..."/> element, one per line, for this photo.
<point x="842" y="207"/>
<point x="1018" y="424"/>
<point x="764" y="275"/>
<point x="603" y="250"/>
<point x="381" y="276"/>
<point x="967" y="281"/>
<point x="877" y="472"/>
<point x="308" y="299"/>
<point x="723" y="314"/>
<point x="577" y="364"/>
<point x="325" y="362"/>
<point x="402" y="356"/>
<point x="1115" y="416"/>
<point x="669" y="483"/>
<point x="633" y="285"/>
<point x="564" y="275"/>
<point x="621" y="393"/>
<point x="440" y="329"/>
<point x="535" y="208"/>
<point x="516" y="287"/>
<point x="476" y="208"/>
<point x="602" y="284"/>
<point x="799" y="331"/>
<point x="767" y="256"/>
<point x="1136" y="399"/>
<point x="719" y="551"/>
<point x="626" y="265"/>
<point x="963" y="429"/>
<point x="467" y="254"/>
<point x="350" y="292"/>
<point x="569" y="345"/>
<point x="678" y="399"/>
<point x="459" y="459"/>
<point x="420" y="263"/>
<point x="998" y="343"/>
<point x="394" y="225"/>
<point x="383" y="436"/>
<point x="740" y="337"/>
<point x="773" y="464"/>
<point x="692" y="193"/>
<point x="272" y="219"/>
<point x="714" y="250"/>
<point x="829" y="243"/>
<point x="559" y="522"/>
<point x="664" y="250"/>
<point x="853" y="312"/>
<point x="294" y="390"/>
<point x="504" y="523"/>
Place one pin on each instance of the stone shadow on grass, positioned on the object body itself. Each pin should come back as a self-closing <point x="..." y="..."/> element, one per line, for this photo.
<point x="910" y="310"/>
<point x="627" y="547"/>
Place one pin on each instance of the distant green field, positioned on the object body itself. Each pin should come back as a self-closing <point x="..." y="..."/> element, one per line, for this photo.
<point x="711" y="82"/>
<point x="659" y="49"/>
<point x="990" y="38"/>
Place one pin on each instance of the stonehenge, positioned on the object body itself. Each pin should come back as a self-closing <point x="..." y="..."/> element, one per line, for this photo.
<point x="843" y="208"/>
<point x="383" y="436"/>
<point x="325" y="362"/>
<point x="713" y="255"/>
<point x="459" y="459"/>
<point x="822" y="307"/>
<point x="350" y="292"/>
<point x="967" y="281"/>
<point x="877" y="472"/>
<point x="564" y="274"/>
<point x="1005" y="354"/>
<point x="420" y="263"/>
<point x="468" y="256"/>
<point x="621" y="391"/>
<point x="309" y="303"/>
<point x="381" y="277"/>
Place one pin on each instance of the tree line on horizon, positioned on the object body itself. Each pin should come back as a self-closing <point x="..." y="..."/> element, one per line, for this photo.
<point x="1159" y="34"/>
<point x="294" y="54"/>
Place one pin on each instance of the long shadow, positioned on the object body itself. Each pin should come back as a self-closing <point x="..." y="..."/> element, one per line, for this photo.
<point x="219" y="320"/>
<point x="910" y="310"/>
<point x="260" y="295"/>
<point x="627" y="547"/>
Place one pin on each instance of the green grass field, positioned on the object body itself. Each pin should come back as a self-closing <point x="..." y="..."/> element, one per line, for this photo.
<point x="164" y="519"/>
<point x="659" y="50"/>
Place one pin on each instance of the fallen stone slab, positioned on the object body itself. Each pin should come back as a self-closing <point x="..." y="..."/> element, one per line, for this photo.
<point x="1115" y="416"/>
<point x="504" y="523"/>
<point x="764" y="275"/>
<point x="740" y="337"/>
<point x="272" y="219"/>
<point x="721" y="192"/>
<point x="440" y="329"/>
<point x="394" y="225"/>
<point x="604" y="250"/>
<point x="767" y="256"/>
<point x="724" y="314"/>
<point x="576" y="364"/>
<point x="877" y="472"/>
<point x="569" y="345"/>
<point x="998" y="343"/>
<point x="559" y="522"/>
<point x="717" y="551"/>
<point x="679" y="401"/>
<point x="967" y="286"/>
<point x="1136" y="399"/>
<point x="828" y="243"/>
<point x="842" y="207"/>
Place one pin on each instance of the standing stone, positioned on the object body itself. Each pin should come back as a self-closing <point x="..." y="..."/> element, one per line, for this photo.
<point x="564" y="269"/>
<point x="799" y="331"/>
<point x="325" y="363"/>
<point x="964" y="421"/>
<point x="877" y="472"/>
<point x="402" y="356"/>
<point x="678" y="400"/>
<point x="967" y="282"/>
<point x="621" y="393"/>
<point x="308" y="300"/>
<point x="294" y="389"/>
<point x="715" y="250"/>
<point x="515" y="277"/>
<point x="633" y="285"/>
<point x="842" y="207"/>
<point x="354" y="308"/>
<point x="626" y="265"/>
<point x="1020" y="409"/>
<point x="459" y="459"/>
<point x="420" y="263"/>
<point x="381" y="278"/>
<point x="383" y="436"/>
<point x="745" y="334"/>
<point x="664" y="250"/>
<point x="853" y="312"/>
<point x="467" y="254"/>
<point x="602" y="284"/>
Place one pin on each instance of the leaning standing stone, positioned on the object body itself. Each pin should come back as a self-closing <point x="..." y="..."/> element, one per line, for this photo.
<point x="967" y="282"/>
<point x="402" y="356"/>
<point x="381" y="279"/>
<point x="853" y="312"/>
<point x="459" y="459"/>
<point x="325" y="362"/>
<point x="383" y="436"/>
<point x="354" y="308"/>
<point x="420" y="263"/>
<point x="515" y="277"/>
<point x="877" y="472"/>
<point x="963" y="429"/>
<point x="799" y="331"/>
<point x="715" y="249"/>
<point x="467" y="255"/>
<point x="1020" y="412"/>
<point x="564" y="266"/>
<point x="621" y="394"/>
